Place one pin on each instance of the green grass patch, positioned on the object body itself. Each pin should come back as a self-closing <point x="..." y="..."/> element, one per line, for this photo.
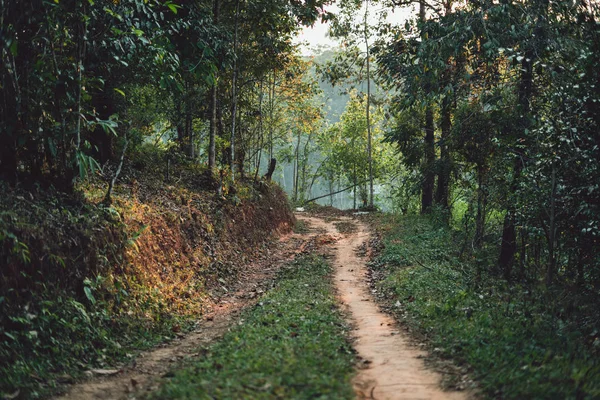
<point x="301" y="227"/>
<point x="345" y="227"/>
<point x="291" y="345"/>
<point x="518" y="342"/>
<point x="54" y="342"/>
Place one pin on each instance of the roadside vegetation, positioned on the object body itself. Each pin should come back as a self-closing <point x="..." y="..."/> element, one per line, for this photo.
<point x="516" y="340"/>
<point x="292" y="344"/>
<point x="85" y="285"/>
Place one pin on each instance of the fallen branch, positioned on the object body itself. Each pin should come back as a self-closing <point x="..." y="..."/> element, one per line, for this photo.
<point x="334" y="193"/>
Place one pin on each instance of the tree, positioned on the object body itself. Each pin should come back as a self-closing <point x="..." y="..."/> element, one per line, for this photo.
<point x="349" y="64"/>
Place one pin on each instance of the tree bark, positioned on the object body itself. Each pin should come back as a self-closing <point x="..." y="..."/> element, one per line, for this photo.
<point x="481" y="206"/>
<point x="509" y="237"/>
<point x="111" y="185"/>
<point x="369" y="135"/>
<point x="213" y="105"/>
<point x="443" y="181"/>
<point x="271" y="169"/>
<point x="429" y="142"/>
<point x="296" y="168"/>
<point x="429" y="161"/>
<point x="550" y="270"/>
<point x="234" y="90"/>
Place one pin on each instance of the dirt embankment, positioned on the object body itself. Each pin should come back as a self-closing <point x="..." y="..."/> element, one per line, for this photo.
<point x="83" y="284"/>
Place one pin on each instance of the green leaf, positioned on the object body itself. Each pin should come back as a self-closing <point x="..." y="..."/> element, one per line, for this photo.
<point x="89" y="295"/>
<point x="122" y="93"/>
<point x="14" y="48"/>
<point x="172" y="7"/>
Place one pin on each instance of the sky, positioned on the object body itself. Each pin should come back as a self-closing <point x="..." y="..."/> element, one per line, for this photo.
<point x="317" y="35"/>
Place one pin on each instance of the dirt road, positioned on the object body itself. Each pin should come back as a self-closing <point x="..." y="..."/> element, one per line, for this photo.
<point x="391" y="368"/>
<point x="143" y="374"/>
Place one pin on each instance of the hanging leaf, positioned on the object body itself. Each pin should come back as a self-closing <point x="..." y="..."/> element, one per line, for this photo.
<point x="88" y="293"/>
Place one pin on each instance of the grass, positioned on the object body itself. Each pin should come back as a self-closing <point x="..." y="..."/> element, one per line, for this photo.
<point x="86" y="286"/>
<point x="291" y="345"/>
<point x="345" y="227"/>
<point x="301" y="227"/>
<point x="53" y="344"/>
<point x="514" y="340"/>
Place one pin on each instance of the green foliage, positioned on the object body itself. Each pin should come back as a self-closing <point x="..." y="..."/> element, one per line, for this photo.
<point x="516" y="104"/>
<point x="54" y="337"/>
<point x="292" y="344"/>
<point x="517" y="342"/>
<point x="344" y="147"/>
<point x="86" y="286"/>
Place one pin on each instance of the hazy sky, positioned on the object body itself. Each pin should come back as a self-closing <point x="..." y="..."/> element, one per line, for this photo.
<point x="317" y="35"/>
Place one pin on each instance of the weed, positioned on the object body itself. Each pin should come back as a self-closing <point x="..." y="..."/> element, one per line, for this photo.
<point x="301" y="227"/>
<point x="512" y="338"/>
<point x="291" y="345"/>
<point x="86" y="286"/>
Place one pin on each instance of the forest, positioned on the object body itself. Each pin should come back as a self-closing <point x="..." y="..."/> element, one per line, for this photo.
<point x="151" y="149"/>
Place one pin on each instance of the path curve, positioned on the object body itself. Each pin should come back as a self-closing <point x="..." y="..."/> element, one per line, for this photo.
<point x="391" y="368"/>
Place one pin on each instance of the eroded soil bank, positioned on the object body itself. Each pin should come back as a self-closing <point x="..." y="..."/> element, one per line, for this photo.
<point x="143" y="374"/>
<point x="390" y="368"/>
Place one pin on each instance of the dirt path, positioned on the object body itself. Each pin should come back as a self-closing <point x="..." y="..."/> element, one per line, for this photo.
<point x="391" y="367"/>
<point x="142" y="375"/>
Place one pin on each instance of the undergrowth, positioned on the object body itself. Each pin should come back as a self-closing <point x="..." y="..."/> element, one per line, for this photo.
<point x="291" y="345"/>
<point x="519" y="342"/>
<point x="85" y="285"/>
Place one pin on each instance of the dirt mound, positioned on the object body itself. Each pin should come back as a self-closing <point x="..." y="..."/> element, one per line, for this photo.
<point x="76" y="273"/>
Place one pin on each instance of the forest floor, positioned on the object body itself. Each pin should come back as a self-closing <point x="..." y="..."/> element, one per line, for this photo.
<point x="388" y="364"/>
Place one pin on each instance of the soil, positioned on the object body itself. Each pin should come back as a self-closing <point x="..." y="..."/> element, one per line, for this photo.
<point x="143" y="374"/>
<point x="390" y="367"/>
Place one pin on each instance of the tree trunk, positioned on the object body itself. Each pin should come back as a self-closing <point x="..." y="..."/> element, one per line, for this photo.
<point x="260" y="129"/>
<point x="550" y="270"/>
<point x="296" y="168"/>
<point x="369" y="136"/>
<point x="509" y="245"/>
<point x="428" y="172"/>
<point x="525" y="94"/>
<point x="234" y="90"/>
<point x="271" y="110"/>
<point x="271" y="169"/>
<point x="481" y="206"/>
<point x="213" y="105"/>
<point x="189" y="127"/>
<point x="355" y="184"/>
<point x="443" y="181"/>
<point x="429" y="143"/>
